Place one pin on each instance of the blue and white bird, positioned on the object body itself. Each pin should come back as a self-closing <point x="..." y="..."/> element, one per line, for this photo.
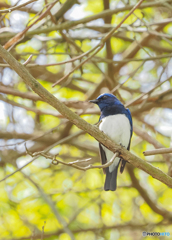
<point x="115" y="121"/>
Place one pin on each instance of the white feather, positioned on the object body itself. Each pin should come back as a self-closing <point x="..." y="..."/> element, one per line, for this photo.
<point x="117" y="127"/>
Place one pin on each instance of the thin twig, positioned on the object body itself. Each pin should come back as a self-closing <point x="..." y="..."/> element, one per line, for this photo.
<point x="45" y="151"/>
<point x="96" y="59"/>
<point x="157" y="151"/>
<point x="28" y="60"/>
<point x="56" y="161"/>
<point x="147" y="93"/>
<point x="67" y="75"/>
<point x="16" y="7"/>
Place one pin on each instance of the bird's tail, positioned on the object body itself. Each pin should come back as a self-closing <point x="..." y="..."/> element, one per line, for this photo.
<point x="111" y="177"/>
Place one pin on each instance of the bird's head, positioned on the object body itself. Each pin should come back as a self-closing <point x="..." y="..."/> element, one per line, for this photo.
<point x="106" y="100"/>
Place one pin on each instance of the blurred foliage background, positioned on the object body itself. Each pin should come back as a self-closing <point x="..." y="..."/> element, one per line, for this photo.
<point x="46" y="201"/>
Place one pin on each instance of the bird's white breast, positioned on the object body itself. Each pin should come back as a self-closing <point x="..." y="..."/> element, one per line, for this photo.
<point x="117" y="127"/>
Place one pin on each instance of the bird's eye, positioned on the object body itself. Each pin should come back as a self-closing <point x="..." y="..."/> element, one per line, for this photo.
<point x="104" y="97"/>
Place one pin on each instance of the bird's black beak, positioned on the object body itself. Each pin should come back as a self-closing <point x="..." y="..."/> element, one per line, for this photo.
<point x="94" y="101"/>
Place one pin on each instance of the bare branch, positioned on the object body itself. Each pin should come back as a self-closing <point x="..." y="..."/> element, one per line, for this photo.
<point x="68" y="138"/>
<point x="153" y="205"/>
<point x="16" y="7"/>
<point x="158" y="151"/>
<point x="56" y="161"/>
<point x="28" y="60"/>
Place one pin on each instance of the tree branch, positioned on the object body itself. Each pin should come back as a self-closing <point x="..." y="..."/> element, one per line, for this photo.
<point x="158" y="151"/>
<point x="50" y="203"/>
<point x="145" y="196"/>
<point x="16" y="7"/>
<point x="145" y="136"/>
<point x="73" y="164"/>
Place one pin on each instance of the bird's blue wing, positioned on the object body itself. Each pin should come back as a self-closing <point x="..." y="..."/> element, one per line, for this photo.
<point x="102" y="152"/>
<point x="128" y="114"/>
<point x="123" y="162"/>
<point x="103" y="156"/>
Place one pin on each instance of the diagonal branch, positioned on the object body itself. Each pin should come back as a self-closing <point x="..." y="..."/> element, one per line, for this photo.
<point x="80" y="123"/>
<point x="152" y="204"/>
<point x="48" y="200"/>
